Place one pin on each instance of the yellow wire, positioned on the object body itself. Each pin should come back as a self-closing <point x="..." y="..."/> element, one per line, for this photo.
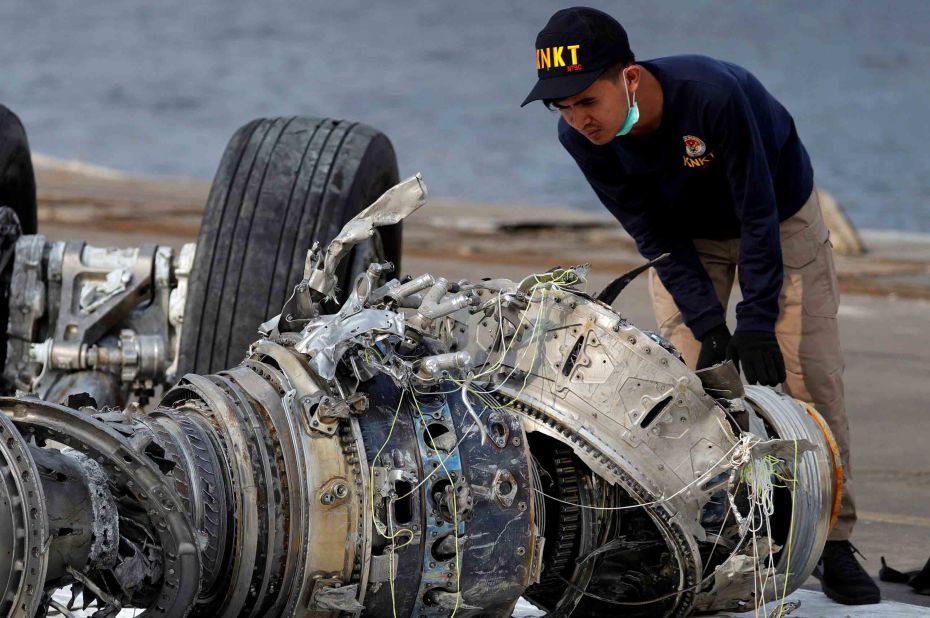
<point x="508" y="347"/>
<point x="794" y="482"/>
<point x="391" y="535"/>
<point x="773" y="466"/>
<point x="391" y="573"/>
<point x="535" y="347"/>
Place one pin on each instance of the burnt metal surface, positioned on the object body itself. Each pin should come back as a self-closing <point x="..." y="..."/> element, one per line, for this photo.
<point x="428" y="448"/>
<point x="164" y="581"/>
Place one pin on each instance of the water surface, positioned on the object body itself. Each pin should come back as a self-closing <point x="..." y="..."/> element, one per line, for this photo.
<point x="158" y="87"/>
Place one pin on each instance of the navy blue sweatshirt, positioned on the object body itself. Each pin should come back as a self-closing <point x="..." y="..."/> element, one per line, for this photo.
<point x="725" y="162"/>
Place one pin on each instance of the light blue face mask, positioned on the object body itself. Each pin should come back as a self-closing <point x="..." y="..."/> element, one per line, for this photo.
<point x="632" y="116"/>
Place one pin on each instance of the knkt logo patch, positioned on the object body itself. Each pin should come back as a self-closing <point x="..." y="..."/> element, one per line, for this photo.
<point x="694" y="146"/>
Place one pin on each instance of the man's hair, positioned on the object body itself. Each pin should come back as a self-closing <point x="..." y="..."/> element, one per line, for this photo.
<point x="612" y="73"/>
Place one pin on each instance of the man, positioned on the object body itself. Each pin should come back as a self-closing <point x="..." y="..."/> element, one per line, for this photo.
<point x="695" y="158"/>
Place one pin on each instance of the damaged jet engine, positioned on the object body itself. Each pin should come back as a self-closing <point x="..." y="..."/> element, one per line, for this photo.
<point x="409" y="447"/>
<point x="426" y="448"/>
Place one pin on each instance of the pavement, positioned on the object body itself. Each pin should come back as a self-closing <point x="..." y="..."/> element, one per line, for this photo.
<point x="801" y="604"/>
<point x="884" y="323"/>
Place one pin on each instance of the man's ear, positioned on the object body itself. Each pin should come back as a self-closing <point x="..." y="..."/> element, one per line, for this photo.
<point x="632" y="75"/>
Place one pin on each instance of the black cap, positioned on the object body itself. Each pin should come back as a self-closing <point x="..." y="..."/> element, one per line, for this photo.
<point x="575" y="47"/>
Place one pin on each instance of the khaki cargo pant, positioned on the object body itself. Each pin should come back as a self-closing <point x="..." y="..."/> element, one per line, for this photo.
<point x="807" y="329"/>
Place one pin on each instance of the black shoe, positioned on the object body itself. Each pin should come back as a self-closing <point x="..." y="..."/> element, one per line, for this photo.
<point x="842" y="577"/>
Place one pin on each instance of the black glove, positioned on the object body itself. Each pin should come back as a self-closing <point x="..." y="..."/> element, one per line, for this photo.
<point x="714" y="346"/>
<point x="760" y="355"/>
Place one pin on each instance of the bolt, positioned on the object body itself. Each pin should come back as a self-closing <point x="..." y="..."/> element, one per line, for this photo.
<point x="521" y="551"/>
<point x="327" y="498"/>
<point x="516" y="441"/>
<point x="341" y="490"/>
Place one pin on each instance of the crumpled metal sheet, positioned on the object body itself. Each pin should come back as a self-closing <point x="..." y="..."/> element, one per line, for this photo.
<point x="330" y="336"/>
<point x="737" y="579"/>
<point x="341" y="599"/>
<point x="392" y="207"/>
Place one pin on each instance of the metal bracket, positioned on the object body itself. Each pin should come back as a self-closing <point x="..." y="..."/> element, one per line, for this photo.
<point x="311" y="413"/>
<point x="331" y="409"/>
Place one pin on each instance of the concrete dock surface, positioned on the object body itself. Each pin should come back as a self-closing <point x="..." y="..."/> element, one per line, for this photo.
<point x="884" y="321"/>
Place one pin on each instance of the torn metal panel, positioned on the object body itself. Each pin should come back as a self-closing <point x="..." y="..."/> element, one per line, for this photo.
<point x="397" y="203"/>
<point x="722" y="381"/>
<point x="327" y="339"/>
